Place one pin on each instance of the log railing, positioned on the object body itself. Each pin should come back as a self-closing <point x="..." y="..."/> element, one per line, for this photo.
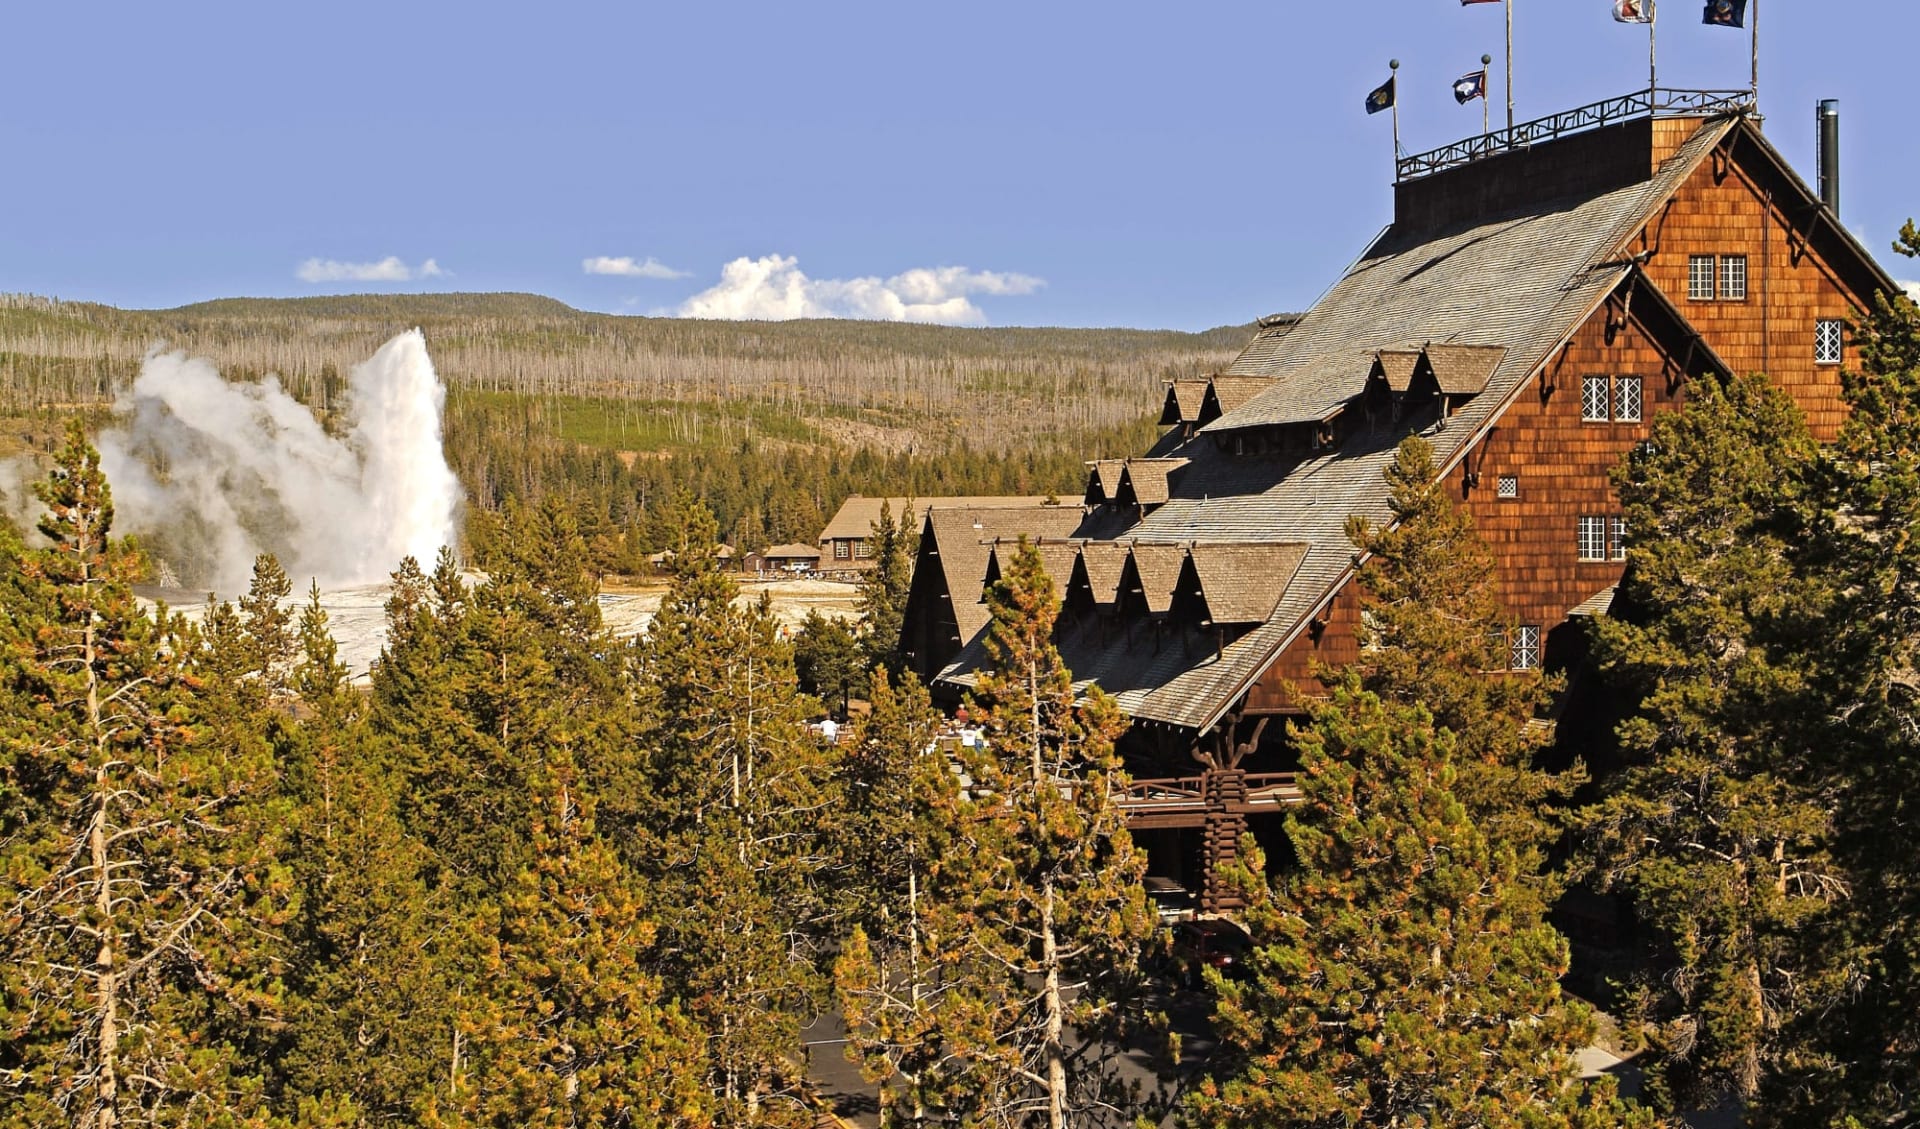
<point x="1169" y="795"/>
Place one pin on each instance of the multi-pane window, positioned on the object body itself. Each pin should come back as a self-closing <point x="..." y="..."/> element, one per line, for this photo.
<point x="1733" y="278"/>
<point x="842" y="550"/>
<point x="1829" y="339"/>
<point x="860" y="550"/>
<point x="1617" y="543"/>
<point x="1615" y="398"/>
<point x="1626" y="399"/>
<point x="1508" y="486"/>
<point x="1700" y="277"/>
<point x="1525" y="648"/>
<point x="1723" y="277"/>
<point x="1593" y="538"/>
<point x="1593" y="399"/>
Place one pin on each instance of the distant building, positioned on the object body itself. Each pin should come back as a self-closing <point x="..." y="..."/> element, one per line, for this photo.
<point x="1539" y="297"/>
<point x="790" y="558"/>
<point x="843" y="543"/>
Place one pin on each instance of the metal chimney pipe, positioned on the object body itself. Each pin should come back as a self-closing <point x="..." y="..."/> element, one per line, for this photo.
<point x="1827" y="116"/>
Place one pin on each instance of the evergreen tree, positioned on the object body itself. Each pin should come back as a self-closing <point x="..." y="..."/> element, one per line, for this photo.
<point x="1431" y="629"/>
<point x="734" y="831"/>
<point x="827" y="658"/>
<point x="902" y="800"/>
<point x="270" y="641"/>
<point x="141" y="886"/>
<point x="1036" y="928"/>
<point x="572" y="1030"/>
<point x="884" y="589"/>
<point x="1859" y="1061"/>
<point x="1717" y="827"/>
<point x="1402" y="975"/>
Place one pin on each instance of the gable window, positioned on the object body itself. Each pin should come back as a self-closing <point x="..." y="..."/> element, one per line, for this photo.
<point x="1593" y="537"/>
<point x="841" y="550"/>
<point x="1508" y="486"/>
<point x="1829" y="341"/>
<point x="1700" y="278"/>
<point x="1733" y="278"/>
<point x="1626" y="399"/>
<point x="1593" y="399"/>
<point x="1524" y="651"/>
<point x="860" y="550"/>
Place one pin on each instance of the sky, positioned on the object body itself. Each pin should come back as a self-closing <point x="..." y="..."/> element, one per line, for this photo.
<point x="1034" y="163"/>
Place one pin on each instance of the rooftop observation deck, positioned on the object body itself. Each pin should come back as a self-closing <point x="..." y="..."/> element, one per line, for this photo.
<point x="1642" y="104"/>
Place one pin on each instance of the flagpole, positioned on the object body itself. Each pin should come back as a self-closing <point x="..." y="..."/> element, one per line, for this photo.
<point x="1755" y="32"/>
<point x="1653" y="66"/>
<point x="1486" y="125"/>
<point x="1393" y="66"/>
<point x="1509" y="7"/>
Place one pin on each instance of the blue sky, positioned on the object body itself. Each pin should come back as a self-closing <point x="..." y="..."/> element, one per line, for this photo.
<point x="1019" y="163"/>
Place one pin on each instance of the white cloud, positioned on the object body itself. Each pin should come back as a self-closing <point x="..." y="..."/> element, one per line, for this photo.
<point x="389" y="269"/>
<point x="626" y="267"/>
<point x="773" y="288"/>
<point x="1912" y="287"/>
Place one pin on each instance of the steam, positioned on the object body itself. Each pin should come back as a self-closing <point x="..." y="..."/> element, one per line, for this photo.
<point x="212" y="474"/>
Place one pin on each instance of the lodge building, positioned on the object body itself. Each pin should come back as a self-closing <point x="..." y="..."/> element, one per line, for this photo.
<point x="1541" y="294"/>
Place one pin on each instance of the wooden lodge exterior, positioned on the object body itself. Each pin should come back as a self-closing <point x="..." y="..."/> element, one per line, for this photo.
<point x="844" y="541"/>
<point x="1541" y="294"/>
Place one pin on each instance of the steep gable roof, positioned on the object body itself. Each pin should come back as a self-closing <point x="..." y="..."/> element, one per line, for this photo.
<point x="1185" y="398"/>
<point x="963" y="539"/>
<point x="1143" y="482"/>
<point x="856" y="516"/>
<point x="1239" y="583"/>
<point x="1103" y="480"/>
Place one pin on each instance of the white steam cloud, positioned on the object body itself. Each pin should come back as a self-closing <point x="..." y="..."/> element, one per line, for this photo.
<point x="626" y="266"/>
<point x="389" y="269"/>
<point x="774" y="288"/>
<point x="213" y="474"/>
<point x="1912" y="288"/>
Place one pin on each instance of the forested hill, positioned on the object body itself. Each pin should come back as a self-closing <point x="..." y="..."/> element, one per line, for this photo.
<point x="772" y="423"/>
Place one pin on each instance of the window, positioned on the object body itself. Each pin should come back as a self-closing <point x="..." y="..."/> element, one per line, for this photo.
<point x="1700" y="278"/>
<point x="1626" y="399"/>
<point x="1733" y="278"/>
<point x="1593" y="399"/>
<point x="1508" y="486"/>
<point x="1617" y="542"/>
<point x="842" y="550"/>
<point x="1593" y="538"/>
<point x="860" y="550"/>
<point x="1525" y="648"/>
<point x="1829" y="339"/>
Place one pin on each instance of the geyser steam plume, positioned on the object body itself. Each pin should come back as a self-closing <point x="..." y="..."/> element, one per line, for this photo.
<point x="213" y="474"/>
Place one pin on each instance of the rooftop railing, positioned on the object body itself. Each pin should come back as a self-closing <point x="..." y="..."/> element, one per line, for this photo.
<point x="1640" y="104"/>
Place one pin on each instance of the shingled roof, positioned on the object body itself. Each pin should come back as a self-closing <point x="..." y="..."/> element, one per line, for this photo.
<point x="964" y="539"/>
<point x="1056" y="557"/>
<point x="857" y="515"/>
<point x="1491" y="298"/>
<point x="1238" y="583"/>
<point x="1103" y="480"/>
<point x="1184" y="401"/>
<point x="1143" y="482"/>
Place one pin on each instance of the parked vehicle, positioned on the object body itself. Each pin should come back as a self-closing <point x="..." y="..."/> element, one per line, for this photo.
<point x="1214" y="943"/>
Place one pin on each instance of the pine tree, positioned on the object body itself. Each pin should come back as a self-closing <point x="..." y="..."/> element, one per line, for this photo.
<point x="827" y="658"/>
<point x="1859" y="1061"/>
<point x="142" y="892"/>
<point x="1432" y="628"/>
<point x="1717" y="827"/>
<point x="734" y="830"/>
<point x="270" y="641"/>
<point x="572" y="1031"/>
<point x="884" y="589"/>
<point x="1036" y="928"/>
<point x="1402" y="974"/>
<point x="902" y="798"/>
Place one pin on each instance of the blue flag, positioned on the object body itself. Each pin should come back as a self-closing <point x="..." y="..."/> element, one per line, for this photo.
<point x="1470" y="86"/>
<point x="1381" y="98"/>
<point x="1725" y="13"/>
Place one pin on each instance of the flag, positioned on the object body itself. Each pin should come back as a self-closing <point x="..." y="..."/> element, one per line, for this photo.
<point x="1633" y="11"/>
<point x="1470" y="86"/>
<point x="1381" y="98"/>
<point x="1464" y="3"/>
<point x="1725" y="13"/>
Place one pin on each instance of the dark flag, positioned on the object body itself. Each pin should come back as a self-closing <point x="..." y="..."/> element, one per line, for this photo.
<point x="1381" y="98"/>
<point x="1725" y="13"/>
<point x="1464" y="3"/>
<point x="1470" y="86"/>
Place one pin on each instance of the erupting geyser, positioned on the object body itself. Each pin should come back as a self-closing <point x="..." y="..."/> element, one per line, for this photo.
<point x="216" y="473"/>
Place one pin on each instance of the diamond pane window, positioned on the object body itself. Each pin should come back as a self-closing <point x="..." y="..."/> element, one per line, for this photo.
<point x="1829" y="338"/>
<point x="1733" y="278"/>
<point x="1626" y="399"/>
<point x="1593" y="538"/>
<point x="1593" y="399"/>
<point x="1508" y="486"/>
<point x="1526" y="648"/>
<point x="1700" y="278"/>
